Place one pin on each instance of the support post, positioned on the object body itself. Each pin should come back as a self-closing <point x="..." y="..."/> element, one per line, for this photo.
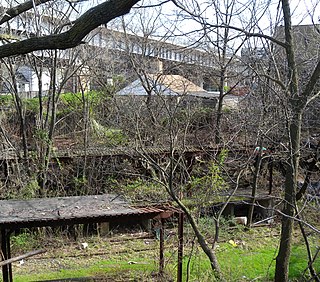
<point x="180" y="247"/>
<point x="9" y="254"/>
<point x="6" y="254"/>
<point x="104" y="229"/>
<point x="161" y="263"/>
<point x="270" y="164"/>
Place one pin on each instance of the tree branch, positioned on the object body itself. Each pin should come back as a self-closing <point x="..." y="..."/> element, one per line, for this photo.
<point x="227" y="26"/>
<point x="90" y="20"/>
<point x="252" y="34"/>
<point x="310" y="86"/>
<point x="17" y="10"/>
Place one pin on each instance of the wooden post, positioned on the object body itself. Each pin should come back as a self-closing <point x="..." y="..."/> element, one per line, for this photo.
<point x="5" y="249"/>
<point x="270" y="164"/>
<point x="161" y="263"/>
<point x="104" y="228"/>
<point x="9" y="254"/>
<point x="180" y="247"/>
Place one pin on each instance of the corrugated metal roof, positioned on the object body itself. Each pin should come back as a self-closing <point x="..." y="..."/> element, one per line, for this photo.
<point x="44" y="211"/>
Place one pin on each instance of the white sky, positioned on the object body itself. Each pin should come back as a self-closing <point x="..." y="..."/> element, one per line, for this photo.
<point x="266" y="14"/>
<point x="304" y="11"/>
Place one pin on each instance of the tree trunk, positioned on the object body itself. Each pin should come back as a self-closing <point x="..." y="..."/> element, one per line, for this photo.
<point x="202" y="242"/>
<point x="255" y="184"/>
<point x="283" y="257"/>
<point x="217" y="135"/>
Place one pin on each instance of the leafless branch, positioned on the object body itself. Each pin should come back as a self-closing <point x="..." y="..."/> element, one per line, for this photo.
<point x="19" y="9"/>
<point x="90" y="20"/>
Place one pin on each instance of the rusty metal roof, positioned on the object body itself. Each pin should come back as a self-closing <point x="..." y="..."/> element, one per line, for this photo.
<point x="70" y="210"/>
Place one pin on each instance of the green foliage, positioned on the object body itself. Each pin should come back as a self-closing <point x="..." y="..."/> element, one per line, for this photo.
<point x="24" y="242"/>
<point x="210" y="183"/>
<point x="41" y="135"/>
<point x="243" y="256"/>
<point x="201" y="117"/>
<point x="298" y="259"/>
<point x="227" y="226"/>
<point x="251" y="253"/>
<point x="222" y="156"/>
<point x="6" y="100"/>
<point x="79" y="183"/>
<point x="110" y="136"/>
<point x="32" y="104"/>
<point x="226" y="88"/>
<point x="226" y="110"/>
<point x="26" y="190"/>
<point x="30" y="190"/>
<point x="142" y="190"/>
<point x="74" y="101"/>
<point x="117" y="83"/>
<point x="198" y="117"/>
<point x="116" y="268"/>
<point x="72" y="104"/>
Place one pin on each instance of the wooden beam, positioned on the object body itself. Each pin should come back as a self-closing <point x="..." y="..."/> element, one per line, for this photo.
<point x="26" y="255"/>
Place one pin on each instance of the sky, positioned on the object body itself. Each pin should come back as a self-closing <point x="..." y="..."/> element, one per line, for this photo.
<point x="304" y="11"/>
<point x="264" y="13"/>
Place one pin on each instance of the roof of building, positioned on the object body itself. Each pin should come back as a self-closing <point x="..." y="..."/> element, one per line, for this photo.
<point x="170" y="85"/>
<point x="71" y="210"/>
<point x="24" y="74"/>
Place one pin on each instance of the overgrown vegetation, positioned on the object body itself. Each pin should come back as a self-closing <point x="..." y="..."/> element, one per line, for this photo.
<point x="173" y="136"/>
<point x="245" y="255"/>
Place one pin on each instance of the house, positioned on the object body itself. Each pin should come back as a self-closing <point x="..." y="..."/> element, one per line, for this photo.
<point x="174" y="87"/>
<point x="27" y="82"/>
<point x="179" y="88"/>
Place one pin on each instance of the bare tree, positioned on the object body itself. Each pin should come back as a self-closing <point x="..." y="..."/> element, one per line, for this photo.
<point x="295" y="98"/>
<point x="171" y="172"/>
<point x="298" y="100"/>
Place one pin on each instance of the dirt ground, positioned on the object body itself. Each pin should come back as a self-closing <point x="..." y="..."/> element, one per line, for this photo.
<point x="67" y="254"/>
